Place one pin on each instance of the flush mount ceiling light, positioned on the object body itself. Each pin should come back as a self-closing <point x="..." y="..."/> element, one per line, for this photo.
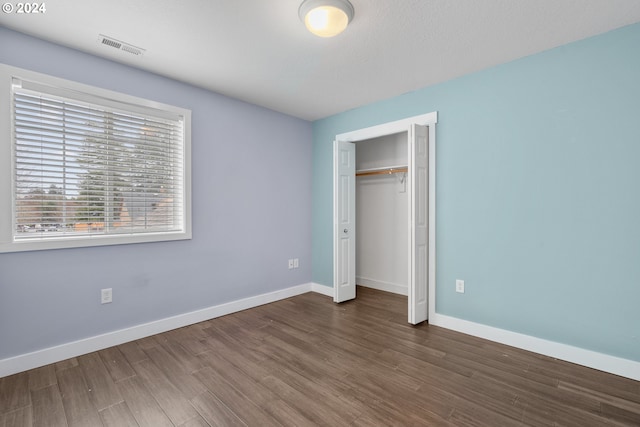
<point x="326" y="18"/>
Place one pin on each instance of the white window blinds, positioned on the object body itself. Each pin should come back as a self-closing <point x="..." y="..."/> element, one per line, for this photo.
<point x="87" y="166"/>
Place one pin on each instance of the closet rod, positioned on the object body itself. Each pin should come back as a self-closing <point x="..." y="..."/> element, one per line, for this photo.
<point x="387" y="171"/>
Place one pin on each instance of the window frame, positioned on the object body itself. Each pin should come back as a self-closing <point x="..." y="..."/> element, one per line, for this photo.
<point x="7" y="165"/>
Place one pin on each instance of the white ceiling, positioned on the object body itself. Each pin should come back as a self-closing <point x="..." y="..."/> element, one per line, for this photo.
<point x="260" y="52"/>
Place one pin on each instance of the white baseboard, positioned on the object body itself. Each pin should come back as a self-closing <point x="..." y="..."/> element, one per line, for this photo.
<point x="602" y="362"/>
<point x="49" y="355"/>
<point x="383" y="286"/>
<point x="322" y="289"/>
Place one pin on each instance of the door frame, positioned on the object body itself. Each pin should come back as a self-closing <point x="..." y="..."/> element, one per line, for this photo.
<point x="390" y="128"/>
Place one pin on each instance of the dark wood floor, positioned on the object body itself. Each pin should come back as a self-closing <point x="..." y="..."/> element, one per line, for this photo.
<point x="306" y="361"/>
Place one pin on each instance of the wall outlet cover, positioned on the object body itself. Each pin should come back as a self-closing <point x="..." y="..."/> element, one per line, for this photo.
<point x="106" y="296"/>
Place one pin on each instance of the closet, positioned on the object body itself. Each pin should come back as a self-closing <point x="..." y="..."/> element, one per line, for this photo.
<point x="382" y="213"/>
<point x="384" y="152"/>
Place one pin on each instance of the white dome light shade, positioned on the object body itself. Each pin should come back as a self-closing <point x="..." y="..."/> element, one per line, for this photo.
<point x="326" y="18"/>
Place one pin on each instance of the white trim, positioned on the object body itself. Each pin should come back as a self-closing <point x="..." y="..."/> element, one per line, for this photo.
<point x="431" y="281"/>
<point x="49" y="355"/>
<point x="591" y="359"/>
<point x="394" y="288"/>
<point x="611" y="364"/>
<point x="390" y="128"/>
<point x="86" y="93"/>
<point x="322" y="289"/>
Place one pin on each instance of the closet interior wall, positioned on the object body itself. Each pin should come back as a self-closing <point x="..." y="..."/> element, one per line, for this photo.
<point x="382" y="215"/>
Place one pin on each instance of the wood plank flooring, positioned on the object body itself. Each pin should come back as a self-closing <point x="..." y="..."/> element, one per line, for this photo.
<point x="306" y="361"/>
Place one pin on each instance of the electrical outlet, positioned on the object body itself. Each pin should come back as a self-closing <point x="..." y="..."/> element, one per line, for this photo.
<point x="290" y="264"/>
<point x="106" y="296"/>
<point x="296" y="263"/>
<point x="460" y="286"/>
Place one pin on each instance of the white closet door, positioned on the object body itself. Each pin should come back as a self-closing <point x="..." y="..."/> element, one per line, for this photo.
<point x="419" y="223"/>
<point x="344" y="280"/>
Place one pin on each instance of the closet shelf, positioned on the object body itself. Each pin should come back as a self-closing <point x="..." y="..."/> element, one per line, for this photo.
<point x="382" y="171"/>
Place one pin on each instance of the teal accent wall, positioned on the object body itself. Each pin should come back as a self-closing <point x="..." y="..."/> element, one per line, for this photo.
<point x="538" y="192"/>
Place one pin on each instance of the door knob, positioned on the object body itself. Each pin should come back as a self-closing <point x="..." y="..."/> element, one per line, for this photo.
<point x="346" y="230"/>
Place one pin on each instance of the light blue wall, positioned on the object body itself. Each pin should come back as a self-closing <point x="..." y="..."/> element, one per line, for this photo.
<point x="538" y="192"/>
<point x="251" y="213"/>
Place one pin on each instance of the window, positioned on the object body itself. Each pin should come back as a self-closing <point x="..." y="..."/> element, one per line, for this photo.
<point x="89" y="167"/>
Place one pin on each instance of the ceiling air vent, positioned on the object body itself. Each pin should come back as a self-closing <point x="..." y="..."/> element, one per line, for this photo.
<point x="117" y="44"/>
